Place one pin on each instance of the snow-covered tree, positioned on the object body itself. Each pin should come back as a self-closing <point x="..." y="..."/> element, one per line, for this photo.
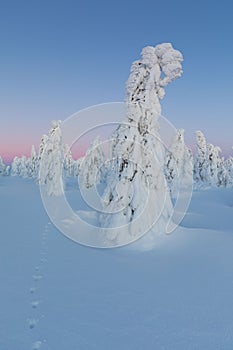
<point x="77" y="166"/>
<point x="91" y="166"/>
<point x="200" y="163"/>
<point x="51" y="160"/>
<point x="179" y="164"/>
<point x="68" y="162"/>
<point x="19" y="167"/>
<point x="137" y="152"/>
<point x="210" y="169"/>
<point x="223" y="176"/>
<point x="23" y="167"/>
<point x="15" y="166"/>
<point x="40" y="152"/>
<point x="32" y="164"/>
<point x="216" y="170"/>
<point x="228" y="165"/>
<point x="7" y="170"/>
<point x="2" y="167"/>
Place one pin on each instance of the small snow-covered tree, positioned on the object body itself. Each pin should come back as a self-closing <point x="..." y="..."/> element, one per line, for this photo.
<point x="91" y="166"/>
<point x="210" y="168"/>
<point x="213" y="165"/>
<point x="32" y="164"/>
<point x="228" y="165"/>
<point x="15" y="166"/>
<point x="223" y="176"/>
<point x="7" y="170"/>
<point x="23" y="167"/>
<point x="77" y="166"/>
<point x="2" y="167"/>
<point x="51" y="160"/>
<point x="179" y="164"/>
<point x="200" y="162"/>
<point x="42" y="145"/>
<point x="68" y="162"/>
<point x="137" y="153"/>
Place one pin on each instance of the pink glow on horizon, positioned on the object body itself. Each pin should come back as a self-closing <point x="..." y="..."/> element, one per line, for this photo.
<point x="8" y="152"/>
<point x="21" y="145"/>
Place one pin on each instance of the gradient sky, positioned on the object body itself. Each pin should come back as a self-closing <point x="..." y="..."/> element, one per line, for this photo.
<point x="58" y="57"/>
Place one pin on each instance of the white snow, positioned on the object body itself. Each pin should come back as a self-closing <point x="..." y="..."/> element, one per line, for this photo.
<point x="176" y="296"/>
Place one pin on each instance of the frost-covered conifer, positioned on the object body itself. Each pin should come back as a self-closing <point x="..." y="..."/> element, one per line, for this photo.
<point x="179" y="164"/>
<point x="200" y="163"/>
<point x="91" y="166"/>
<point x="223" y="176"/>
<point x="213" y="165"/>
<point x="68" y="162"/>
<point x="15" y="166"/>
<point x="77" y="166"/>
<point x="228" y="164"/>
<point x="41" y="149"/>
<point x="137" y="150"/>
<point x="23" y="167"/>
<point x="7" y="170"/>
<point x="210" y="168"/>
<point x="32" y="164"/>
<point x="19" y="167"/>
<point x="51" y="160"/>
<point x="2" y="167"/>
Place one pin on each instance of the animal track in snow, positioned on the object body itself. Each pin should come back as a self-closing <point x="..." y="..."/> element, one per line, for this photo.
<point x="35" y="304"/>
<point x="37" y="277"/>
<point x="36" y="345"/>
<point x="32" y="322"/>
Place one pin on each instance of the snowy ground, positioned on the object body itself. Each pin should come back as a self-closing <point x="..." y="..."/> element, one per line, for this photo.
<point x="66" y="296"/>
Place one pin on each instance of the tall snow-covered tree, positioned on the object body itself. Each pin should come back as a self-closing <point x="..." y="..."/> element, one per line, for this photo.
<point x="51" y="160"/>
<point x="179" y="164"/>
<point x="91" y="166"/>
<point x="137" y="149"/>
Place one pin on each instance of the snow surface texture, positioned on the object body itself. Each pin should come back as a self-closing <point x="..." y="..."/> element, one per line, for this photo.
<point x="137" y="194"/>
<point x="177" y="296"/>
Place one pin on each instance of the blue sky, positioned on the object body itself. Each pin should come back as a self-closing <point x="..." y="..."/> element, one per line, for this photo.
<point x="60" y="56"/>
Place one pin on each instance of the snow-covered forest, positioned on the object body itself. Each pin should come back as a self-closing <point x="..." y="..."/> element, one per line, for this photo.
<point x="205" y="163"/>
<point x="145" y="87"/>
<point x="141" y="178"/>
<point x="137" y="161"/>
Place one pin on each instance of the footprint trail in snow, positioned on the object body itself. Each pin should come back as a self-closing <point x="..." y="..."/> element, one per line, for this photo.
<point x="36" y="315"/>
